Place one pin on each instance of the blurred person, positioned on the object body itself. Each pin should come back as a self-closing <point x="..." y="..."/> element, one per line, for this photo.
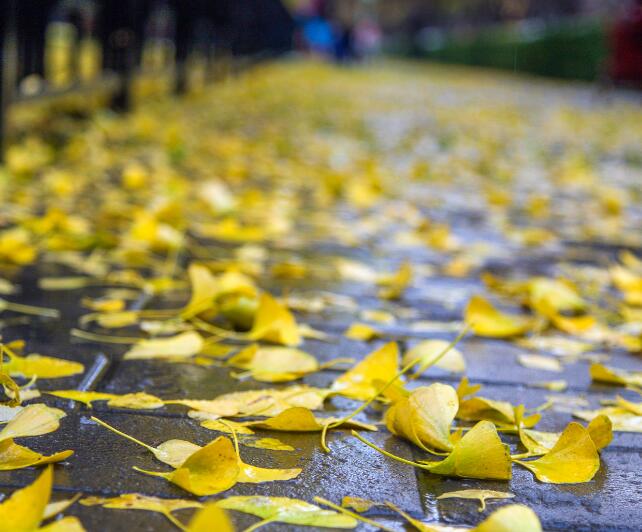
<point x="625" y="63"/>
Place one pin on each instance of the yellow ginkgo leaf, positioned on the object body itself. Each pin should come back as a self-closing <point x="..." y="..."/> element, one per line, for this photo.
<point x="136" y="501"/>
<point x="274" y="323"/>
<point x="622" y="420"/>
<point x="486" y="320"/>
<point x="479" y="408"/>
<point x="577" y="325"/>
<point x="546" y="294"/>
<point x="299" y="419"/>
<point x="269" y="402"/>
<point x="540" y="362"/>
<point x="14" y="456"/>
<point x="32" y="420"/>
<point x="210" y="517"/>
<point x="360" y="381"/>
<point x="23" y="511"/>
<point x="481" y="495"/>
<point x="425" y="416"/>
<point x="228" y="426"/>
<point x="208" y="471"/>
<point x="572" y="459"/>
<point x="271" y="444"/>
<point x="136" y="401"/>
<point x="510" y="519"/>
<point x="425" y="352"/>
<point x="207" y="288"/>
<point x="363" y="332"/>
<point x="286" y="510"/>
<point x="601" y="373"/>
<point x="39" y="366"/>
<point x="395" y="284"/>
<point x="179" y="347"/>
<point x="274" y="364"/>
<point x="357" y="504"/>
<point x="478" y="454"/>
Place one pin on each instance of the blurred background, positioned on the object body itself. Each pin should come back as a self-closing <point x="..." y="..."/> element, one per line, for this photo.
<point x="128" y="49"/>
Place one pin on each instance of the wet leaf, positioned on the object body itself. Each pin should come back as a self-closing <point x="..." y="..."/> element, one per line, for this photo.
<point x="486" y="320"/>
<point x="40" y="366"/>
<point x="136" y="501"/>
<point x="32" y="420"/>
<point x="426" y="351"/>
<point x="478" y="454"/>
<point x="357" y="504"/>
<point x="572" y="459"/>
<point x="363" y="332"/>
<point x="14" y="456"/>
<point x="208" y="471"/>
<point x="136" y="401"/>
<point x="274" y="364"/>
<point x="274" y="323"/>
<point x="540" y="362"/>
<point x="622" y="420"/>
<point x="481" y="495"/>
<point x="24" y="509"/>
<point x="425" y="416"/>
<point x="179" y="347"/>
<point x="299" y="419"/>
<point x="359" y="382"/>
<point x="395" y="284"/>
<point x="509" y="519"/>
<point x="258" y="402"/>
<point x="210" y="518"/>
<point x="601" y="373"/>
<point x="286" y="510"/>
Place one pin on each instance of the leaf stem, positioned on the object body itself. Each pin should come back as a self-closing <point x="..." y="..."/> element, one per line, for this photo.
<point x="390" y="455"/>
<point x="151" y="449"/>
<point x="29" y="309"/>
<point x="103" y="338"/>
<point x="172" y="519"/>
<point x="354" y="515"/>
<point x="261" y="523"/>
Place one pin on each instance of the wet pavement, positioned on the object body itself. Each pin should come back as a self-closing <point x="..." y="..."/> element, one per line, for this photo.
<point x="431" y="307"/>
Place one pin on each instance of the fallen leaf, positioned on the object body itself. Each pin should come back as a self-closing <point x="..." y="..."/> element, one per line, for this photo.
<point x="486" y="320"/>
<point x="425" y="352"/>
<point x="395" y="284"/>
<point x="572" y="459"/>
<point x="299" y="419"/>
<point x="14" y="456"/>
<point x="274" y="323"/>
<point x="136" y="501"/>
<point x="32" y="420"/>
<point x="540" y="362"/>
<point x="478" y="454"/>
<point x="179" y="347"/>
<point x="210" y="518"/>
<point x="136" y="401"/>
<point x="286" y="510"/>
<point x="357" y="504"/>
<point x="363" y="332"/>
<point x="600" y="373"/>
<point x="359" y="382"/>
<point x="425" y="416"/>
<point x="39" y="366"/>
<point x="511" y="518"/>
<point x="274" y="364"/>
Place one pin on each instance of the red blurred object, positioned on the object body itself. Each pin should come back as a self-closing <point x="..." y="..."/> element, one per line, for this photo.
<point x="626" y="46"/>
